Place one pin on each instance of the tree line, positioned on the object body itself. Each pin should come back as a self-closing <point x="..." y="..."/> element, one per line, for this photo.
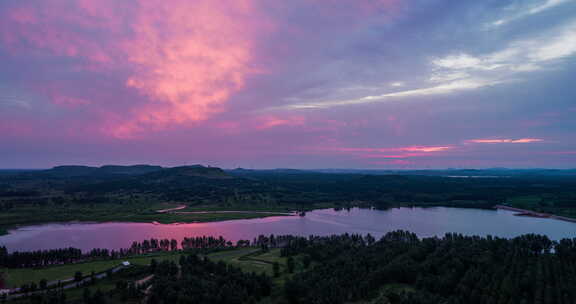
<point x="43" y="258"/>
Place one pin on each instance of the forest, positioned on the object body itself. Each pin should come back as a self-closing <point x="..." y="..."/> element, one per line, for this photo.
<point x="399" y="268"/>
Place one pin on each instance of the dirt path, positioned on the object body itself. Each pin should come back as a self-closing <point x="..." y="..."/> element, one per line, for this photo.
<point x="172" y="209"/>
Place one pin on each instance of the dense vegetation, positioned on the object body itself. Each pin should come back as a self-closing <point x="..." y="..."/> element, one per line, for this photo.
<point x="400" y="268"/>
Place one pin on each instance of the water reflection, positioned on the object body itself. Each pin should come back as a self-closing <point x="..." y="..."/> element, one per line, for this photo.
<point x="423" y="221"/>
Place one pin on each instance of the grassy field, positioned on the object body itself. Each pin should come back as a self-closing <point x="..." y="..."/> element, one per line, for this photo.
<point x="168" y="218"/>
<point x="104" y="285"/>
<point x="254" y="260"/>
<point x="17" y="277"/>
<point x="247" y="259"/>
<point x="234" y="257"/>
<point x="525" y="202"/>
<point x="244" y="207"/>
<point x="28" y="214"/>
<point x="271" y="256"/>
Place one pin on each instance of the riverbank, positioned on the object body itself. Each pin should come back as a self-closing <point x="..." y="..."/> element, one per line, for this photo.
<point x="41" y="215"/>
<point x="530" y="213"/>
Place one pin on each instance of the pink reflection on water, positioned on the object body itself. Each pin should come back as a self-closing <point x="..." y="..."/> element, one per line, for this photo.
<point x="424" y="222"/>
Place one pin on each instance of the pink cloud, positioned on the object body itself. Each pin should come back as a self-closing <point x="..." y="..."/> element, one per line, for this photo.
<point x="185" y="58"/>
<point x="403" y="155"/>
<point x="397" y="152"/>
<point x="425" y="149"/>
<point x="398" y="162"/>
<point x="267" y="122"/>
<point x="182" y="60"/>
<point x="258" y="123"/>
<point x="504" y="141"/>
<point x="189" y="57"/>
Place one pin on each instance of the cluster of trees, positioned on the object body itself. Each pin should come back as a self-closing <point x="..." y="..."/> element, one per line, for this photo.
<point x="205" y="242"/>
<point x="153" y="245"/>
<point x="455" y="269"/>
<point x="196" y="280"/>
<point x="272" y="241"/>
<point x="39" y="258"/>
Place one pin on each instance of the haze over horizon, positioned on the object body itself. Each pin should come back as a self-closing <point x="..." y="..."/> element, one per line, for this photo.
<point x="379" y="84"/>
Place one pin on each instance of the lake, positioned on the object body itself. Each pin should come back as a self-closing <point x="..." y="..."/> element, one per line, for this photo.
<point x="422" y="221"/>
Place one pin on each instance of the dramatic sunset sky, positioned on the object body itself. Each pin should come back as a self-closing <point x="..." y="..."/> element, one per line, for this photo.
<point x="288" y="83"/>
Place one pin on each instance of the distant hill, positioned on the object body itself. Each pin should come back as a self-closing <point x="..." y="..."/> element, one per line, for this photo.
<point x="142" y="172"/>
<point x="130" y="170"/>
<point x="189" y="171"/>
<point x="71" y="171"/>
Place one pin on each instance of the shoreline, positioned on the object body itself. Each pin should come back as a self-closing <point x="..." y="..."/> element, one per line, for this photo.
<point x="531" y="213"/>
<point x="248" y="215"/>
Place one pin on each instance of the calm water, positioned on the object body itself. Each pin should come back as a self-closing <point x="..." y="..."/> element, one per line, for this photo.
<point x="422" y="221"/>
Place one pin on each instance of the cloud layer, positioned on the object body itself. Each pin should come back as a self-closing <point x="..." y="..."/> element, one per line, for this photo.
<point x="303" y="83"/>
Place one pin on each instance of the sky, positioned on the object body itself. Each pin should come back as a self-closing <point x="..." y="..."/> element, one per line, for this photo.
<point x="382" y="84"/>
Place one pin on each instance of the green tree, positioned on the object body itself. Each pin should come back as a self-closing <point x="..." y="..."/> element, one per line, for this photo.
<point x="153" y="265"/>
<point x="78" y="276"/>
<point x="86" y="295"/>
<point x="276" y="269"/>
<point x="290" y="264"/>
<point x="306" y="261"/>
<point x="43" y="284"/>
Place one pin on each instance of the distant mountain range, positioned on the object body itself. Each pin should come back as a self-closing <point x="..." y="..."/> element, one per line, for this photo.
<point x="458" y="172"/>
<point x="214" y="172"/>
<point x="494" y="172"/>
<point x="147" y="170"/>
